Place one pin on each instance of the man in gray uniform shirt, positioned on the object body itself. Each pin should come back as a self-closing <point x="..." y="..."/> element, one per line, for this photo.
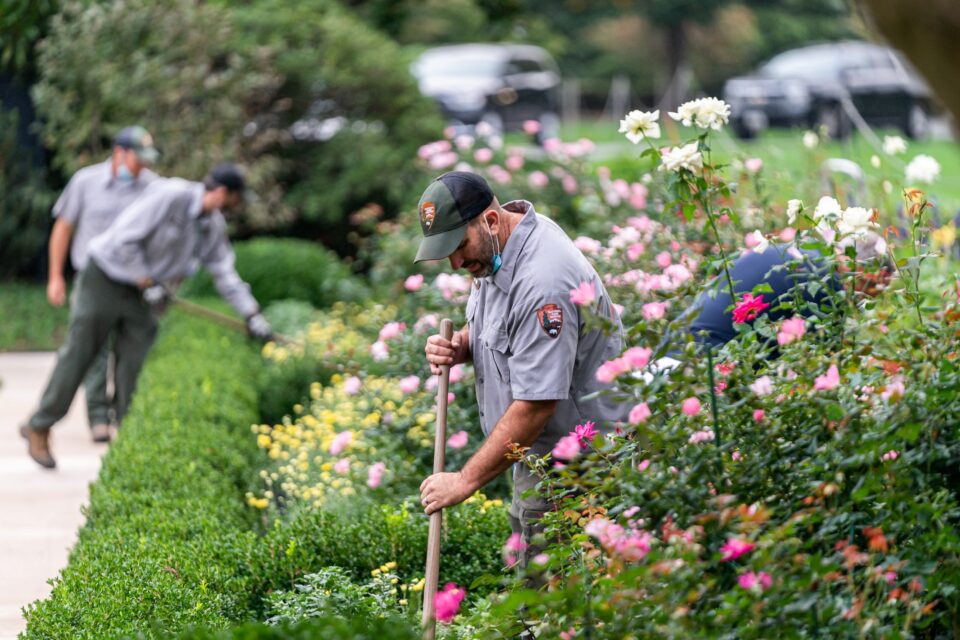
<point x="154" y="243"/>
<point x="92" y="200"/>
<point x="533" y="356"/>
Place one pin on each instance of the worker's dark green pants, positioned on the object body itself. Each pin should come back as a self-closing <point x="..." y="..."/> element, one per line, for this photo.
<point x="102" y="306"/>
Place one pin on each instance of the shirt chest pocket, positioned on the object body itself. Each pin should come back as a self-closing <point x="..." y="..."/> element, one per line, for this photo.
<point x="496" y="344"/>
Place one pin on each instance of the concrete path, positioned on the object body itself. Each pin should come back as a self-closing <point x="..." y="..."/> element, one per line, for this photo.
<point x="40" y="509"/>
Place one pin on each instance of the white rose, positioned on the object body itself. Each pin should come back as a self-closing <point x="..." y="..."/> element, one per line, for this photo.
<point x="638" y="124"/>
<point x="759" y="242"/>
<point x="923" y="168"/>
<point x="893" y="145"/>
<point x="828" y="208"/>
<point x="706" y="113"/>
<point x="685" y="157"/>
<point x="810" y="139"/>
<point x="686" y="113"/>
<point x="855" y="221"/>
<point x="793" y="208"/>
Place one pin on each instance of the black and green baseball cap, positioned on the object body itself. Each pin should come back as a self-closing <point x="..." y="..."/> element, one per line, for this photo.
<point x="446" y="206"/>
<point x="138" y="140"/>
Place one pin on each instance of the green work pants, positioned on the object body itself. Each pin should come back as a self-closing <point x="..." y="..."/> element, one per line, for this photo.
<point x="102" y="306"/>
<point x="95" y="382"/>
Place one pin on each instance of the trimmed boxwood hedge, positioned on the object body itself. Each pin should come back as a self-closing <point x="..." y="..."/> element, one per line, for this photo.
<point x="288" y="269"/>
<point x="315" y="629"/>
<point x="167" y="536"/>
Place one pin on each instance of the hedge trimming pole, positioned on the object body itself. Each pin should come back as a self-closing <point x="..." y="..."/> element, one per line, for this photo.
<point x="432" y="574"/>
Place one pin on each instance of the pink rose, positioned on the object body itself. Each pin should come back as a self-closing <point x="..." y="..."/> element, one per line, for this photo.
<point x="456" y="373"/>
<point x="664" y="259"/>
<point x="792" y="329"/>
<point x="458" y="440"/>
<point x="734" y="548"/>
<point x="446" y="603"/>
<point x="705" y="435"/>
<point x="644" y="464"/>
<point x="375" y="475"/>
<point x="351" y="386"/>
<point x="342" y="466"/>
<point x="748" y="308"/>
<point x="654" y="310"/>
<point x="409" y="384"/>
<point x="639" y="414"/>
<point x="829" y="381"/>
<point x="392" y="330"/>
<point x="340" y="442"/>
<point x="637" y="357"/>
<point x="691" y="406"/>
<point x="753" y="165"/>
<point x="583" y="295"/>
<point x="538" y="179"/>
<point x="414" y="282"/>
<point x="483" y="155"/>
<point x="759" y="415"/>
<point x="567" y="448"/>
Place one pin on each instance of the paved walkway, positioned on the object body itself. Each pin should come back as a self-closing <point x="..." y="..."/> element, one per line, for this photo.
<point x="40" y="508"/>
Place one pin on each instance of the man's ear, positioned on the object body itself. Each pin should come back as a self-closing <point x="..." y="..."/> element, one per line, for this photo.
<point x="492" y="216"/>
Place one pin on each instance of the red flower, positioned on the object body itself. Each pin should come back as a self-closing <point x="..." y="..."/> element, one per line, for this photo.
<point x="749" y="308"/>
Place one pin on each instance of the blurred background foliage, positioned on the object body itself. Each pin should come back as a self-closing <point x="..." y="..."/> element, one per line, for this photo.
<point x="315" y="98"/>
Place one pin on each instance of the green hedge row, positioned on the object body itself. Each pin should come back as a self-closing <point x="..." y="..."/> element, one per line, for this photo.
<point x="288" y="268"/>
<point x="168" y="536"/>
<point x="315" y="629"/>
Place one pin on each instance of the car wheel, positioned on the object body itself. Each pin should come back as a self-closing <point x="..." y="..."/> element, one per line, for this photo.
<point x="917" y="122"/>
<point x="833" y="119"/>
<point x="742" y="131"/>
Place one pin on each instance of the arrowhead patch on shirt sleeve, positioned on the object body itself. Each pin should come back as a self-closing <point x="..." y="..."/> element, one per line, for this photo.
<point x="550" y="317"/>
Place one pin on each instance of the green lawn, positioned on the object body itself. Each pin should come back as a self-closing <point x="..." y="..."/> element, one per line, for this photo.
<point x="790" y="170"/>
<point x="27" y="321"/>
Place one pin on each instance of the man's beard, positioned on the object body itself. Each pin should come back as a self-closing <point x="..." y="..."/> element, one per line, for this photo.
<point x="485" y="259"/>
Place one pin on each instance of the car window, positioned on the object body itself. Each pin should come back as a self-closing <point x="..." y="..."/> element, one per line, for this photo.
<point x="524" y="65"/>
<point x="812" y="64"/>
<point x="458" y="65"/>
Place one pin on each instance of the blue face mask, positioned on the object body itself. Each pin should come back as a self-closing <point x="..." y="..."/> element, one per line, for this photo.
<point x="497" y="259"/>
<point x="124" y="175"/>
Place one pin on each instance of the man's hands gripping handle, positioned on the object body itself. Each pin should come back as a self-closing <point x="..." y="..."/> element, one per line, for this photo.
<point x="440" y="351"/>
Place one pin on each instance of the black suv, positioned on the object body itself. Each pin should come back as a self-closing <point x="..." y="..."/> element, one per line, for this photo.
<point x="500" y="84"/>
<point x="829" y="84"/>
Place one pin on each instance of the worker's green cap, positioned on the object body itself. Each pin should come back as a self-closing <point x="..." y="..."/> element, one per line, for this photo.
<point x="446" y="206"/>
<point x="138" y="140"/>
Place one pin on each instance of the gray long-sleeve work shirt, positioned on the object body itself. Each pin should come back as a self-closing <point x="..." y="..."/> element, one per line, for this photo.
<point x="165" y="236"/>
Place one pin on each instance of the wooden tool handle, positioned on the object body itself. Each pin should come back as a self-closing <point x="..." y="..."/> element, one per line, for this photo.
<point x="432" y="575"/>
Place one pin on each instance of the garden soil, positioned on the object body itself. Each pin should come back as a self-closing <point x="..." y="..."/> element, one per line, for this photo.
<point x="41" y="509"/>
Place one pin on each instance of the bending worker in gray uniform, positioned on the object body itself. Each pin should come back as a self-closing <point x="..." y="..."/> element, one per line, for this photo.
<point x="92" y="200"/>
<point x="152" y="245"/>
<point x="533" y="356"/>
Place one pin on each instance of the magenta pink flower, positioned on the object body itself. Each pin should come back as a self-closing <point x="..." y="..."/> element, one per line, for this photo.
<point x="569" y="634"/>
<point x="691" y="406"/>
<point x="512" y="549"/>
<point x="446" y="603"/>
<point x="567" y="448"/>
<point x="829" y="381"/>
<point x="635" y="250"/>
<point x="340" y="442"/>
<point x="456" y="373"/>
<point x="409" y="384"/>
<point x="750" y="580"/>
<point x="375" y="475"/>
<point x="637" y="357"/>
<point x="664" y="259"/>
<point x="639" y="414"/>
<point x="644" y="464"/>
<point x="583" y="295"/>
<point x="342" y="466"/>
<point x="634" y="546"/>
<point x="891" y="455"/>
<point x="458" y="440"/>
<point x="734" y="548"/>
<point x="351" y="385"/>
<point x="585" y="433"/>
<point x="759" y="415"/>
<point x="531" y="127"/>
<point x="414" y="282"/>
<point x="749" y="308"/>
<point x="791" y="329"/>
<point x="654" y="310"/>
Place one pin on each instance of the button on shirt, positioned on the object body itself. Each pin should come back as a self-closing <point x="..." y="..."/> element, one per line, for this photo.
<point x="165" y="236"/>
<point x="529" y="342"/>
<point x="91" y="201"/>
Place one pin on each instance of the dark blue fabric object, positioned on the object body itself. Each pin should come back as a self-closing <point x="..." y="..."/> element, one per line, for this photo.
<point x="716" y="314"/>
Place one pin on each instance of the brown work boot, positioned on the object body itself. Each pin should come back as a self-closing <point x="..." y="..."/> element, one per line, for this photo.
<point x="101" y="432"/>
<point x="38" y="446"/>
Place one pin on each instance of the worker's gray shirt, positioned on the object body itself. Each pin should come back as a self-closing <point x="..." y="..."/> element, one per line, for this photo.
<point x="91" y="201"/>
<point x="165" y="236"/>
<point x="529" y="342"/>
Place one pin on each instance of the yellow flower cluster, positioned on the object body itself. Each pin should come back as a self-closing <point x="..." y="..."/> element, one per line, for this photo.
<point x="302" y="443"/>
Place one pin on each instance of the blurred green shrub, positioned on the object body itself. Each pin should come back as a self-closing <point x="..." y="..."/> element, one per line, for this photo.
<point x="327" y="627"/>
<point x="25" y="202"/>
<point x="287" y="269"/>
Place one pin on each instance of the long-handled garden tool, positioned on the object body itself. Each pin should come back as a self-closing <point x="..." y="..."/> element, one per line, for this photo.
<point x="432" y="575"/>
<point x="203" y="312"/>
